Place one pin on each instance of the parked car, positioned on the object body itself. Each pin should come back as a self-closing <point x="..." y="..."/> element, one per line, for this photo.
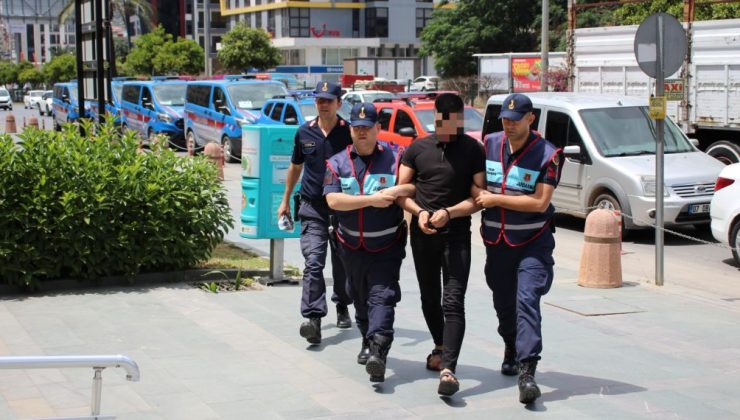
<point x="113" y="108"/>
<point x="288" y="110"/>
<point x="215" y="110"/>
<point x="725" y="209"/>
<point x="425" y="83"/>
<point x="65" y="106"/>
<point x="609" y="144"/>
<point x="154" y="107"/>
<point x="6" y="102"/>
<point x="357" y="96"/>
<point x="32" y="98"/>
<point x="45" y="104"/>
<point x="402" y="121"/>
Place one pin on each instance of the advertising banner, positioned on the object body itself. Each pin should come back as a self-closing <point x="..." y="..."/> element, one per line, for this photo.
<point x="525" y="72"/>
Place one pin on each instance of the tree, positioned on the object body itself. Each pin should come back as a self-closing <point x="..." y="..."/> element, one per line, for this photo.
<point x="634" y="14"/>
<point x="243" y="47"/>
<point x="478" y="26"/>
<point x="31" y="76"/>
<point x="182" y="57"/>
<point x="61" y="68"/>
<point x="8" y="72"/>
<point x="141" y="59"/>
<point x="124" y="9"/>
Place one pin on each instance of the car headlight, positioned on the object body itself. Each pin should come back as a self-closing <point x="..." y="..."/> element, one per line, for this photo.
<point x="165" y="117"/>
<point x="648" y="186"/>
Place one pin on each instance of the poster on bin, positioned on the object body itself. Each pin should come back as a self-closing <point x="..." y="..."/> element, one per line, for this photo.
<point x="525" y="72"/>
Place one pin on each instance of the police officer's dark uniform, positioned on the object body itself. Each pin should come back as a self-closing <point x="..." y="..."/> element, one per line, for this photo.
<point x="372" y="241"/>
<point x="443" y="175"/>
<point x="519" y="245"/>
<point x="312" y="149"/>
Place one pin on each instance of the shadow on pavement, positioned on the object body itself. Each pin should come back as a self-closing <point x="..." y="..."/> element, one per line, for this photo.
<point x="566" y="385"/>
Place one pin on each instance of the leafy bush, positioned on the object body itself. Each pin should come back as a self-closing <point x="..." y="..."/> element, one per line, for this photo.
<point x="79" y="207"/>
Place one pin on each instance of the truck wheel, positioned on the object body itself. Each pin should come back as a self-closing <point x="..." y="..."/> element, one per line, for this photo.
<point x="609" y="202"/>
<point x="190" y="143"/>
<point x="724" y="151"/>
<point x="735" y="241"/>
<point x="228" y="150"/>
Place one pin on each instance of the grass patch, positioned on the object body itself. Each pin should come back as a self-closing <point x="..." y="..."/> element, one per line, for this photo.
<point x="229" y="256"/>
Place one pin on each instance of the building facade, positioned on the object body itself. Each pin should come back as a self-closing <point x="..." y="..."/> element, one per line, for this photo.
<point x="315" y="36"/>
<point x="30" y="30"/>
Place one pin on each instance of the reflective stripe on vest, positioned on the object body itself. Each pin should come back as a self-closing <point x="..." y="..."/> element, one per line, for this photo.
<point x="510" y="226"/>
<point x="366" y="234"/>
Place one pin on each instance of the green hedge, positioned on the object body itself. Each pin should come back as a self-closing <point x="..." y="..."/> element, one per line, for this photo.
<point x="86" y="207"/>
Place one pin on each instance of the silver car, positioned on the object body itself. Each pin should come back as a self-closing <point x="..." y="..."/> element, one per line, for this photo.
<point x="5" y="101"/>
<point x="609" y="144"/>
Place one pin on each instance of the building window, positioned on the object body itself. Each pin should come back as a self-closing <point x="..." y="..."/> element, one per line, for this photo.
<point x="200" y="20"/>
<point x="258" y="20"/>
<point x="217" y="21"/>
<point x="215" y="40"/>
<point x="355" y="23"/>
<point x="300" y="20"/>
<point x="423" y="16"/>
<point x="336" y="56"/>
<point x="271" y="22"/>
<point x="294" y="57"/>
<point x="376" y="22"/>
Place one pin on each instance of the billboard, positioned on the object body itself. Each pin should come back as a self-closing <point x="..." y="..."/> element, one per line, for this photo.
<point x="525" y="73"/>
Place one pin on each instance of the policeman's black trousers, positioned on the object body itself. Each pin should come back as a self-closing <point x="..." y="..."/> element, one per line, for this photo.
<point x="518" y="278"/>
<point x="314" y="239"/>
<point x="374" y="288"/>
<point x="443" y="303"/>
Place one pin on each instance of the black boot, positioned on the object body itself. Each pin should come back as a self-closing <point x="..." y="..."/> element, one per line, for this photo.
<point x="343" y="319"/>
<point x="528" y="389"/>
<point x="364" y="353"/>
<point x="510" y="366"/>
<point x="379" y="347"/>
<point x="311" y="330"/>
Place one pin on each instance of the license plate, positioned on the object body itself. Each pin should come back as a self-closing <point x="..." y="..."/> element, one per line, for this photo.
<point x="699" y="208"/>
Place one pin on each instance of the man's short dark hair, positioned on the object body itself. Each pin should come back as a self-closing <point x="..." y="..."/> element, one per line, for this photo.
<point x="448" y="102"/>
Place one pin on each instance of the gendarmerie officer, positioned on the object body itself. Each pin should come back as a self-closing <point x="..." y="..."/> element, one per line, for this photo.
<point x="316" y="141"/>
<point x="442" y="167"/>
<point x="522" y="171"/>
<point x="360" y="185"/>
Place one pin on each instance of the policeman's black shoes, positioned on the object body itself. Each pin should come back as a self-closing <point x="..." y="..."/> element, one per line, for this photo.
<point x="528" y="389"/>
<point x="343" y="319"/>
<point x="375" y="366"/>
<point x="311" y="330"/>
<point x="364" y="353"/>
<point x="510" y="367"/>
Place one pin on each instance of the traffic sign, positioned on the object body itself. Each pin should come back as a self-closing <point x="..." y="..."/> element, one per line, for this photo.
<point x="665" y="28"/>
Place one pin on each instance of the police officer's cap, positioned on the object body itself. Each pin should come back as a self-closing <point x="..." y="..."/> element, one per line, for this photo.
<point x="515" y="107"/>
<point x="328" y="90"/>
<point x="363" y="114"/>
<point x="448" y="102"/>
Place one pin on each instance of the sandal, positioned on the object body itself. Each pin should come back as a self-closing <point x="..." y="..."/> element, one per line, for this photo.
<point x="448" y="383"/>
<point x="434" y="360"/>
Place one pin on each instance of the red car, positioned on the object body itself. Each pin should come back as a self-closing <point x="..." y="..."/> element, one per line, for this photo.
<point x="403" y="121"/>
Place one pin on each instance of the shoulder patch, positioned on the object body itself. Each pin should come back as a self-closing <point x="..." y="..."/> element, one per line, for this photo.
<point x="328" y="176"/>
<point x="556" y="159"/>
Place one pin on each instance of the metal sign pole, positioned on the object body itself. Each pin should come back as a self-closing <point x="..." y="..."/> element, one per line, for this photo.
<point x="659" y="127"/>
<point x="277" y="247"/>
<point x="78" y="53"/>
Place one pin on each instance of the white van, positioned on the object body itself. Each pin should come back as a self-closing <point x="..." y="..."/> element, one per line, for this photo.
<point x="609" y="144"/>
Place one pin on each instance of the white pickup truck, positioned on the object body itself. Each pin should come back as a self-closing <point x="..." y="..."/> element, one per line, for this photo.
<point x="32" y="98"/>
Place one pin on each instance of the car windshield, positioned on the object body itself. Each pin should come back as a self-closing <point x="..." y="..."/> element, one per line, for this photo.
<point x="117" y="92"/>
<point x="308" y="111"/>
<point x="4" y="92"/>
<point x="37" y="93"/>
<point x="629" y="131"/>
<point x="73" y="93"/>
<point x="371" y="97"/>
<point x="344" y="110"/>
<point x="254" y="95"/>
<point x="473" y="119"/>
<point x="46" y="95"/>
<point x="171" y="94"/>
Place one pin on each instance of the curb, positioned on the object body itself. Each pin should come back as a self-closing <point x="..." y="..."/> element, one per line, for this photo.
<point x="145" y="279"/>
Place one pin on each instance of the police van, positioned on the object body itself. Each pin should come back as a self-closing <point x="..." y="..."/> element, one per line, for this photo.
<point x="288" y="110"/>
<point x="113" y="108"/>
<point x="154" y="107"/>
<point x="65" y="106"/>
<point x="215" y="110"/>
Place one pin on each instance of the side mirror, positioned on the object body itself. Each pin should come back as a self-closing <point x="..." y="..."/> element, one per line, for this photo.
<point x="291" y="121"/>
<point x="573" y="152"/>
<point x="65" y="98"/>
<point x="695" y="142"/>
<point x="407" y="132"/>
<point x="146" y="104"/>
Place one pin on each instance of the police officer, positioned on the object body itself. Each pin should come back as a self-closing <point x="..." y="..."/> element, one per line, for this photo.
<point x="360" y="184"/>
<point x="522" y="171"/>
<point x="442" y="167"/>
<point x="316" y="141"/>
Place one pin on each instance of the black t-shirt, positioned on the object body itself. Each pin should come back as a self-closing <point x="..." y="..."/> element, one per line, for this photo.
<point x="443" y="172"/>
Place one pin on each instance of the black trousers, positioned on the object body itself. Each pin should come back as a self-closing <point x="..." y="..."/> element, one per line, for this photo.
<point x="443" y="303"/>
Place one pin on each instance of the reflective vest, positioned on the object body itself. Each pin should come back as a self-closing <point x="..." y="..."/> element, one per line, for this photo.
<point x="515" y="228"/>
<point x="372" y="229"/>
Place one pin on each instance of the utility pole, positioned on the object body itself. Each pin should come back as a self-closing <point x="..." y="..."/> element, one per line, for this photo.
<point x="545" y="37"/>
<point x="207" y="34"/>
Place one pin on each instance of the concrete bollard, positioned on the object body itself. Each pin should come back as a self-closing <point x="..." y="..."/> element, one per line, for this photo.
<point x="601" y="259"/>
<point x="216" y="156"/>
<point x="10" y="123"/>
<point x="32" y="122"/>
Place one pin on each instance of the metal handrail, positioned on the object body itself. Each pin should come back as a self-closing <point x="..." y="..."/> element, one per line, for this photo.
<point x="96" y="362"/>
